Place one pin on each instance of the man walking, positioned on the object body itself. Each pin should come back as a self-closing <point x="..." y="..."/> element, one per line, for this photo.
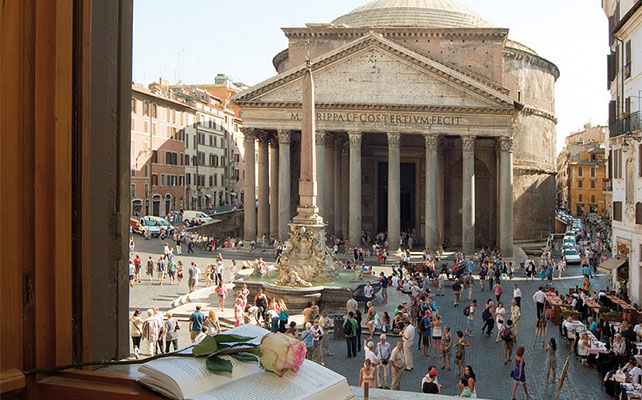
<point x="196" y="323"/>
<point x="408" y="341"/>
<point x="515" y="314"/>
<point x="396" y="361"/>
<point x="171" y="336"/>
<point x="540" y="300"/>
<point x="350" y="330"/>
<point x="517" y="295"/>
<point x="383" y="356"/>
<point x="384" y="287"/>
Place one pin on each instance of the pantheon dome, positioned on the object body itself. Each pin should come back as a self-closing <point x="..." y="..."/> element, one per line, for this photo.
<point x="414" y="13"/>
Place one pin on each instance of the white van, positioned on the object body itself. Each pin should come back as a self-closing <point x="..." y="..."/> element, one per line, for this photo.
<point x="197" y="217"/>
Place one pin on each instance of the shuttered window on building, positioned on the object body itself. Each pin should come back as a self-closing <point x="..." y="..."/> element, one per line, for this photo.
<point x="617" y="210"/>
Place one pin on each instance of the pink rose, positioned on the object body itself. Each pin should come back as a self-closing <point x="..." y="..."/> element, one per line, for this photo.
<point x="280" y="352"/>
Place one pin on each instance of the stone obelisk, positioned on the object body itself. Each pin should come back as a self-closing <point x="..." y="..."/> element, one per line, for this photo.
<point x="306" y="258"/>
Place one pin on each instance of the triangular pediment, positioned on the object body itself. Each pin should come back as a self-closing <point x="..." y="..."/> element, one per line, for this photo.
<point x="376" y="71"/>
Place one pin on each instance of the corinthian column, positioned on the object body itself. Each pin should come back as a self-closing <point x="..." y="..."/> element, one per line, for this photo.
<point x="320" y="149"/>
<point x="249" y="204"/>
<point x="468" y="195"/>
<point x="355" y="189"/>
<point x="432" y="192"/>
<point x="329" y="184"/>
<point x="338" y="145"/>
<point x="284" y="184"/>
<point x="274" y="187"/>
<point x="394" y="191"/>
<point x="345" y="190"/>
<point x="264" y="185"/>
<point x="506" y="197"/>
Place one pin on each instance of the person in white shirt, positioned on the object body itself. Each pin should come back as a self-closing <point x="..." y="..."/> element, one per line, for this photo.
<point x="633" y="376"/>
<point x="317" y="331"/>
<point x="540" y="300"/>
<point x="570" y="328"/>
<point x="325" y="323"/>
<point x="202" y="335"/>
<point x="383" y="356"/>
<point x="368" y="292"/>
<point x="395" y="281"/>
<point x="408" y="341"/>
<point x="638" y="329"/>
<point x="352" y="305"/>
<point x="517" y="295"/>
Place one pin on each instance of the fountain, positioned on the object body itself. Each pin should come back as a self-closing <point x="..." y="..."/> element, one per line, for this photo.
<point x="307" y="270"/>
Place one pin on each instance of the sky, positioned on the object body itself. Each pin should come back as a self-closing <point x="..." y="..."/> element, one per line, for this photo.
<point x="193" y="40"/>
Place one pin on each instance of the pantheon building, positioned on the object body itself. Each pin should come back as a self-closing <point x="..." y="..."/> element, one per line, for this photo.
<point x="429" y="119"/>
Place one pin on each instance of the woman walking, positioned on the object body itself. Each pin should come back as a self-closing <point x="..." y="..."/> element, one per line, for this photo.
<point x="519" y="375"/>
<point x="212" y="324"/>
<point x="551" y="358"/>
<point x="498" y="291"/>
<point x="436" y="335"/>
<point x="487" y="317"/>
<point x="424" y="327"/>
<point x="221" y="292"/>
<point x="135" y="331"/>
<point x="446" y="344"/>
<point x="238" y="311"/>
<point x="370" y="319"/>
<point x="283" y="316"/>
<point x="460" y="352"/>
<point x="500" y="316"/>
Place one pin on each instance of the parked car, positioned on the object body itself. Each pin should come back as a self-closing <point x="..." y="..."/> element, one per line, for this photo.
<point x="165" y="227"/>
<point x="150" y="227"/>
<point x="572" y="256"/>
<point x="197" y="217"/>
<point x="569" y="239"/>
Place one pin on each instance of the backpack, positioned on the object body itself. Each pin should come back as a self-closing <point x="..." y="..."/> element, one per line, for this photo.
<point x="507" y="335"/>
<point x="486" y="314"/>
<point x="467" y="311"/>
<point x="347" y="327"/>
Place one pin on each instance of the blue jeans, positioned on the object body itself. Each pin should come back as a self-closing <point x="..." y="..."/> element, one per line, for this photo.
<point x="275" y="324"/>
<point x="351" y="342"/>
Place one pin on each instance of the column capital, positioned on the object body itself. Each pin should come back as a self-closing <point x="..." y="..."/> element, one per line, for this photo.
<point x="319" y="138"/>
<point x="345" y="147"/>
<point x="355" y="139"/>
<point x="432" y="141"/>
<point x="284" y="136"/>
<point x="393" y="139"/>
<point x="338" y="143"/>
<point x="249" y="133"/>
<point x="505" y="143"/>
<point x="263" y="136"/>
<point x="273" y="142"/>
<point x="329" y="140"/>
<point x="468" y="143"/>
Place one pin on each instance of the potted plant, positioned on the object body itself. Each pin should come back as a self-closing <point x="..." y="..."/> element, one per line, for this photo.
<point x="611" y="316"/>
<point x="569" y="312"/>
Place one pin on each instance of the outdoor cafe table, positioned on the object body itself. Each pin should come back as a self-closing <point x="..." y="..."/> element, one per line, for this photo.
<point x="629" y="311"/>
<point x="593" y="305"/>
<point x="597" y="347"/>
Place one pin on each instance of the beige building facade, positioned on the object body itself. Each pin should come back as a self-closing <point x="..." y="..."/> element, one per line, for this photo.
<point x="429" y="121"/>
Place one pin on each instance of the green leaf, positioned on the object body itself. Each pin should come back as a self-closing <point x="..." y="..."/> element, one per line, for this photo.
<point x="231" y="338"/>
<point x="223" y="346"/>
<point x="218" y="364"/>
<point x="245" y="357"/>
<point x="206" y="347"/>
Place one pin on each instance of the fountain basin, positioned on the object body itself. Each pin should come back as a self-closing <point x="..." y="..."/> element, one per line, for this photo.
<point x="331" y="296"/>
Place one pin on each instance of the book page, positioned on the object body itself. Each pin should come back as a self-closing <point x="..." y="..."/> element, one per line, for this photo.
<point x="184" y="377"/>
<point x="312" y="381"/>
<point x="191" y="375"/>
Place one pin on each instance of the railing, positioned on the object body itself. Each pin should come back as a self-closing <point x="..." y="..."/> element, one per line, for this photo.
<point x="625" y="125"/>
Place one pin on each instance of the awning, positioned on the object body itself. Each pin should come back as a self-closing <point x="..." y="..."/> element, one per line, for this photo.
<point x="612" y="263"/>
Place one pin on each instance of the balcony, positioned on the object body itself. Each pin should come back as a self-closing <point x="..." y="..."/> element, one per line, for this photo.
<point x="625" y="125"/>
<point x="607" y="184"/>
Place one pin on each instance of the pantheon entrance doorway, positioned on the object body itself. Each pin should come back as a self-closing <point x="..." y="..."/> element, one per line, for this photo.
<point x="407" y="197"/>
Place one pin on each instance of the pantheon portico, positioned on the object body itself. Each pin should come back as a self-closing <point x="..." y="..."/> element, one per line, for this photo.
<point x="411" y="135"/>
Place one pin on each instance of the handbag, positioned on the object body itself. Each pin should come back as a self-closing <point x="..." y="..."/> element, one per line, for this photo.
<point x="512" y="373"/>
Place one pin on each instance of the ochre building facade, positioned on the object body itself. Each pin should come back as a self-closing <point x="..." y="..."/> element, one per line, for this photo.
<point x="430" y="120"/>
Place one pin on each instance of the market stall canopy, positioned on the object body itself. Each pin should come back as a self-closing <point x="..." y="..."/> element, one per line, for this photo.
<point x="612" y="264"/>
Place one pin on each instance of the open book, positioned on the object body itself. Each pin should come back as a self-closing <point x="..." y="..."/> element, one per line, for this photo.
<point x="188" y="378"/>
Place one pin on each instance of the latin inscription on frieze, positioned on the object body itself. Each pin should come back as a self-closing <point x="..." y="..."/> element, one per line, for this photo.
<point x="382" y="118"/>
